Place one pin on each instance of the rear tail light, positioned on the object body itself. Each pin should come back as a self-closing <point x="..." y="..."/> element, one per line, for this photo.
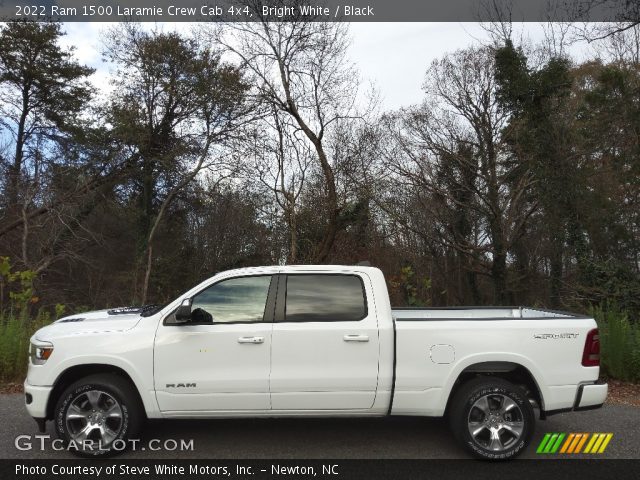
<point x="591" y="353"/>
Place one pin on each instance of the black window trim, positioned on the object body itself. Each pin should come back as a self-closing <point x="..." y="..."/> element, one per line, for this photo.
<point x="280" y="310"/>
<point x="267" y="316"/>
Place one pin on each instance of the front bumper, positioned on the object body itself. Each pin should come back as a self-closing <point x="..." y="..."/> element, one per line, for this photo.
<point x="36" y="399"/>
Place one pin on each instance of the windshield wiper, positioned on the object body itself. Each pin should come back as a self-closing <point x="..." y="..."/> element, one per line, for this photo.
<point x="149" y="310"/>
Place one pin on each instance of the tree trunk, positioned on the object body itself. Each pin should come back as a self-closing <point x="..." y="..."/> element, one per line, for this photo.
<point x="15" y="171"/>
<point x="147" y="230"/>
<point x="147" y="273"/>
<point x="163" y="208"/>
<point x="332" y="208"/>
<point x="555" y="271"/>
<point x="147" y="199"/>
<point x="499" y="277"/>
<point x="316" y="139"/>
<point x="293" y="239"/>
<point x="472" y="282"/>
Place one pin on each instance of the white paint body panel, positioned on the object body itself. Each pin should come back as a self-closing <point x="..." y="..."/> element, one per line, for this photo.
<point x="314" y="368"/>
<point x="228" y="375"/>
<point x="593" y="395"/>
<point x="308" y="368"/>
<point x="555" y="364"/>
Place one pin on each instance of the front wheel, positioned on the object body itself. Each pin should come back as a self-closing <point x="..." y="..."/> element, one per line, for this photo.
<point x="492" y="418"/>
<point x="98" y="415"/>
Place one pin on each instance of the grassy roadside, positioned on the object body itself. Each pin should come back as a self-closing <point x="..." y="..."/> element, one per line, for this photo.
<point x="15" y="333"/>
<point x="619" y="344"/>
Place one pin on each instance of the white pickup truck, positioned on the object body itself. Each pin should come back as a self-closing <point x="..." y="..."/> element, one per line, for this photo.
<point x="311" y="341"/>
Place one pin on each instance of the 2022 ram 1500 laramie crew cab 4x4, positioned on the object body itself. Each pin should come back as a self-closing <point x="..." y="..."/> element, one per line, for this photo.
<point x="311" y="341"/>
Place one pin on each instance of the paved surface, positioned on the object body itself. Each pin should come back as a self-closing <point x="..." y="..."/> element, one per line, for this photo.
<point x="396" y="437"/>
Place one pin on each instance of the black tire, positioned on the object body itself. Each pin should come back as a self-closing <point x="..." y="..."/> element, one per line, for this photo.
<point x="497" y="437"/>
<point x="124" y="426"/>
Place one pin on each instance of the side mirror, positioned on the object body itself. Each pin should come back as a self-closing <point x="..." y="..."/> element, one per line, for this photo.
<point x="183" y="313"/>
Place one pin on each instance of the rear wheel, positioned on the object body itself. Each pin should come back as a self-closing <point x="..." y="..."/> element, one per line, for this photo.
<point x="97" y="415"/>
<point x="492" y="418"/>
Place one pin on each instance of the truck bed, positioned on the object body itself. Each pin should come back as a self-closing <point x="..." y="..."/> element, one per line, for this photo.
<point x="478" y="313"/>
<point x="435" y="345"/>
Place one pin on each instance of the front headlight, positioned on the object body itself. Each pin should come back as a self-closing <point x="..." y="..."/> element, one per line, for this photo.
<point x="40" y="352"/>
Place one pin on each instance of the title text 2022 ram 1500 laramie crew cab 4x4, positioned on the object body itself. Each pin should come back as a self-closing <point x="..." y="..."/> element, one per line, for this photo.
<point x="311" y="341"/>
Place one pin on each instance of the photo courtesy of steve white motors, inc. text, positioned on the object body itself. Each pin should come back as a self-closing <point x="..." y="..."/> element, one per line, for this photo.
<point x="193" y="469"/>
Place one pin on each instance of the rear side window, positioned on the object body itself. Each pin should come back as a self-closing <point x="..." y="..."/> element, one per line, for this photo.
<point x="325" y="298"/>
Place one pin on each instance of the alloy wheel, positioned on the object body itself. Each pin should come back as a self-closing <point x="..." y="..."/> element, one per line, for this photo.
<point x="495" y="422"/>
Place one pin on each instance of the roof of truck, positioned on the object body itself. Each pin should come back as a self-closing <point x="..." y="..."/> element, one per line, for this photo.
<point x="295" y="268"/>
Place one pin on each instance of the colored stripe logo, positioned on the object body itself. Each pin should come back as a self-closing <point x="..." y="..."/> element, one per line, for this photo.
<point x="573" y="443"/>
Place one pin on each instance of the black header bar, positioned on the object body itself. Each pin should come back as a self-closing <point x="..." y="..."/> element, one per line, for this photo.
<point x="328" y="469"/>
<point x="322" y="10"/>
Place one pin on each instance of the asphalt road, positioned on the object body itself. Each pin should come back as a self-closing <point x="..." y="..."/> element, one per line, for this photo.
<point x="300" y="438"/>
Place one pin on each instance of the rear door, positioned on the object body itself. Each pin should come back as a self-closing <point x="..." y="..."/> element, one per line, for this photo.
<point x="324" y="343"/>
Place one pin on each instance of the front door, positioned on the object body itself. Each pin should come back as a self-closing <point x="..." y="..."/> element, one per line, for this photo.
<point x="325" y="343"/>
<point x="221" y="359"/>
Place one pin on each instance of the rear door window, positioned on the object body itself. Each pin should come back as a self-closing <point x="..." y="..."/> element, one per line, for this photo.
<point x="325" y="298"/>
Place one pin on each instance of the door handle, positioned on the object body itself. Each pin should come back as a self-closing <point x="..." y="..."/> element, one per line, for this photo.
<point x="251" y="340"/>
<point x="356" y="338"/>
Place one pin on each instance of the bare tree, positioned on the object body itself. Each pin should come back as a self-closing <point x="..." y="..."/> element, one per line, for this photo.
<point x="176" y="103"/>
<point x="557" y="37"/>
<point x="498" y="19"/>
<point x="620" y="47"/>
<point x="301" y="70"/>
<point x="280" y="159"/>
<point x="450" y="151"/>
<point x="599" y="19"/>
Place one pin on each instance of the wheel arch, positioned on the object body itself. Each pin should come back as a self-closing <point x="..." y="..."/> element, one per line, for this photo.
<point x="77" y="372"/>
<point x="512" y="371"/>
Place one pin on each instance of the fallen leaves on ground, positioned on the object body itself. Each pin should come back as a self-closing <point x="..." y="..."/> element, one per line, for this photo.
<point x="11" y="388"/>
<point x="624" y="393"/>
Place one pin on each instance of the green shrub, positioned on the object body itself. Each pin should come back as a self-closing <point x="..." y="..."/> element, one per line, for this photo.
<point x="619" y="343"/>
<point x="15" y="332"/>
<point x="18" y="320"/>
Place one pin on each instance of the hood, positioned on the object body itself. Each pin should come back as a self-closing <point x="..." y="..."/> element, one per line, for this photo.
<point x="99" y="321"/>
